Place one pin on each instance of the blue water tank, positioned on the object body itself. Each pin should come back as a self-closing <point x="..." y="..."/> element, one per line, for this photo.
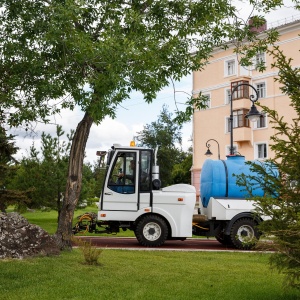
<point x="217" y="179"/>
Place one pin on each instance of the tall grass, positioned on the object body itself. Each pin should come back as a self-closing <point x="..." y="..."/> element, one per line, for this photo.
<point x="144" y="275"/>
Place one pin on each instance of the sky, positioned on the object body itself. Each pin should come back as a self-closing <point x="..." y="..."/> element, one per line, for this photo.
<point x="134" y="113"/>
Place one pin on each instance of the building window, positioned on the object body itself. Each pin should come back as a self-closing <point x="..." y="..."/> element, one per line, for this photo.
<point x="261" y="89"/>
<point x="261" y="151"/>
<point x="227" y="96"/>
<point x="259" y="60"/>
<point x="230" y="67"/>
<point x="207" y="100"/>
<point x="242" y="91"/>
<point x="239" y="119"/>
<point x="262" y="121"/>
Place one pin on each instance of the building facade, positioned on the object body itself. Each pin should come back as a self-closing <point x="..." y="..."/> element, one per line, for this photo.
<point x="220" y="76"/>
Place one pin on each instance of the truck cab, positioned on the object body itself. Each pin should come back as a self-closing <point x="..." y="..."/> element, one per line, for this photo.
<point x="131" y="198"/>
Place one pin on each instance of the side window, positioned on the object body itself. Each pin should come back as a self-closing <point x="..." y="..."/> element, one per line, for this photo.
<point x="239" y="120"/>
<point x="230" y="67"/>
<point x="261" y="89"/>
<point x="262" y="121"/>
<point x="206" y="101"/>
<point x="259" y="60"/>
<point x="227" y="96"/>
<point x="261" y="151"/>
<point x="145" y="171"/>
<point x="242" y="91"/>
<point x="122" y="176"/>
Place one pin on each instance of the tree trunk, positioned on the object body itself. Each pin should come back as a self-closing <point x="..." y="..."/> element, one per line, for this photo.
<point x="64" y="230"/>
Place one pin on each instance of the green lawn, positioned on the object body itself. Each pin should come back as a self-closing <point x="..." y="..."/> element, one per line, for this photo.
<point x="144" y="275"/>
<point x="48" y="220"/>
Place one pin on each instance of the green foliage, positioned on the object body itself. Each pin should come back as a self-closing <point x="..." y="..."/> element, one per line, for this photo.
<point x="166" y="135"/>
<point x="56" y="49"/>
<point x="281" y="201"/>
<point x="181" y="172"/>
<point x="45" y="174"/>
<point x="8" y="169"/>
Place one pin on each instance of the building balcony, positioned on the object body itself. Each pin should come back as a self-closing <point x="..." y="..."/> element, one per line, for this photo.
<point x="241" y="103"/>
<point x="241" y="134"/>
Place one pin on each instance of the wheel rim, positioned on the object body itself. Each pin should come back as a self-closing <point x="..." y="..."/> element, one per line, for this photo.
<point x="246" y="233"/>
<point x="152" y="231"/>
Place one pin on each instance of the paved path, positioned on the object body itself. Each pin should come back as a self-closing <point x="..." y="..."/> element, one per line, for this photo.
<point x="132" y="243"/>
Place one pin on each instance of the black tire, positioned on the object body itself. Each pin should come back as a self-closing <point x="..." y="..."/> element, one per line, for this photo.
<point x="224" y="239"/>
<point x="151" y="231"/>
<point x="244" y="233"/>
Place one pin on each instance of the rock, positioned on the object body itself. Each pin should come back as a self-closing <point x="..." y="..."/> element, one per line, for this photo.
<point x="20" y="239"/>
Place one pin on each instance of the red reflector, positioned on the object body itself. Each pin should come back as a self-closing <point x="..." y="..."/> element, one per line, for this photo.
<point x="102" y="215"/>
<point x="180" y="199"/>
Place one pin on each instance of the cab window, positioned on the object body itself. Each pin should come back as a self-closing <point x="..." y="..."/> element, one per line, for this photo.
<point x="145" y="179"/>
<point x="122" y="176"/>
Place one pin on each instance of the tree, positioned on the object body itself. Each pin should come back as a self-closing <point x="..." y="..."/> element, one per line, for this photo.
<point x="164" y="134"/>
<point x="7" y="171"/>
<point x="62" y="53"/>
<point x="47" y="168"/>
<point x="281" y="203"/>
<point x="181" y="172"/>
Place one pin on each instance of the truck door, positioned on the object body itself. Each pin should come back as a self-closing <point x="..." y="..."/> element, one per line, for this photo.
<point x="120" y="189"/>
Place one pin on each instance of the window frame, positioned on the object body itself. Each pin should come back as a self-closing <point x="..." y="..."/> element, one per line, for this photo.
<point x="242" y="92"/>
<point x="264" y="89"/>
<point x="262" y="119"/>
<point x="227" y="97"/>
<point x="257" y="151"/>
<point x="227" y="69"/>
<point x="208" y="95"/>
<point x="259" y="57"/>
<point x="239" y="120"/>
<point x="126" y="184"/>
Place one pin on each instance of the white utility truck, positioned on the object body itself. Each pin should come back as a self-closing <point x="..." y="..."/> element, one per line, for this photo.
<point x="132" y="199"/>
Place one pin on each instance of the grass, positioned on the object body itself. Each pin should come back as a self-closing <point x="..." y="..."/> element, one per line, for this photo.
<point x="48" y="220"/>
<point x="140" y="274"/>
<point x="144" y="275"/>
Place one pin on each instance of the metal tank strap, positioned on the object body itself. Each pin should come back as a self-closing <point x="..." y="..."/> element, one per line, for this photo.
<point x="226" y="173"/>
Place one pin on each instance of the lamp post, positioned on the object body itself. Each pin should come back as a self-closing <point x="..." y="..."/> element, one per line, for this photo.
<point x="208" y="152"/>
<point x="252" y="115"/>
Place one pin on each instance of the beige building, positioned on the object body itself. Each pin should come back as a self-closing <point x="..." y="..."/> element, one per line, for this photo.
<point x="251" y="139"/>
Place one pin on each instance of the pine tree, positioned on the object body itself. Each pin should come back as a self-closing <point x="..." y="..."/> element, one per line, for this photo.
<point x="7" y="170"/>
<point x="281" y="201"/>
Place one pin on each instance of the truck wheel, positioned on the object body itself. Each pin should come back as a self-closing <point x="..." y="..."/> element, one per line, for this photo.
<point x="244" y="233"/>
<point x="151" y="231"/>
<point x="223" y="239"/>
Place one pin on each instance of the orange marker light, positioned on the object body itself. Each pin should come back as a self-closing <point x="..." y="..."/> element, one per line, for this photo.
<point x="132" y="143"/>
<point x="180" y="199"/>
<point x="147" y="209"/>
<point x="102" y="215"/>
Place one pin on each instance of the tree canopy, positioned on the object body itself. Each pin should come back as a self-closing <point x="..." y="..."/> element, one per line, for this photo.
<point x="94" y="53"/>
<point x="166" y="135"/>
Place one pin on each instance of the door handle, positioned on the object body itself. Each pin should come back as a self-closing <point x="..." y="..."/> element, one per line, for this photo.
<point x="108" y="194"/>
